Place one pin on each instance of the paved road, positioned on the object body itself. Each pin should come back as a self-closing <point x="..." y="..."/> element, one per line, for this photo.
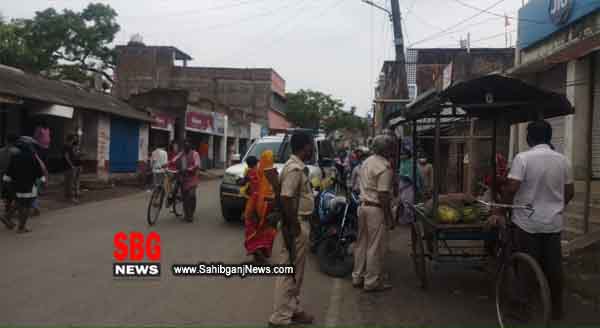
<point x="61" y="274"/>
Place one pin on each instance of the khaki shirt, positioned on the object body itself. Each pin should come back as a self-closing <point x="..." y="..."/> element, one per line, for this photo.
<point x="293" y="179"/>
<point x="375" y="176"/>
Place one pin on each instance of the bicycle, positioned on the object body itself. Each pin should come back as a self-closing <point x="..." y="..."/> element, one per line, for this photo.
<point x="174" y="200"/>
<point x="522" y="290"/>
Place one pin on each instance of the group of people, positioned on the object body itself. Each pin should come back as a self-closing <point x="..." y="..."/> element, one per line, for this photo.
<point x="24" y="174"/>
<point x="186" y="165"/>
<point x="539" y="176"/>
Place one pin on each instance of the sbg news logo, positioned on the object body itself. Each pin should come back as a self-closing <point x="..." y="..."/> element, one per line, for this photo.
<point x="136" y="255"/>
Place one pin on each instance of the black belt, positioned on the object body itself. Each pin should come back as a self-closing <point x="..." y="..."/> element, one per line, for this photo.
<point x="370" y="204"/>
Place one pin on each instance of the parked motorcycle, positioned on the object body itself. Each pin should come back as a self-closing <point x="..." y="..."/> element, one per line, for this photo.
<point x="336" y="230"/>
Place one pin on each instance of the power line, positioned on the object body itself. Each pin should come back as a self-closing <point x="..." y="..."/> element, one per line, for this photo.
<point x="249" y="18"/>
<point x="320" y="14"/>
<point x="195" y="11"/>
<point x="464" y="4"/>
<point x="436" y="35"/>
<point x="286" y="20"/>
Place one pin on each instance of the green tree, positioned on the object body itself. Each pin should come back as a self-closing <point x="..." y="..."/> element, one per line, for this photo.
<point x="67" y="45"/>
<point x="316" y="110"/>
<point x="311" y="109"/>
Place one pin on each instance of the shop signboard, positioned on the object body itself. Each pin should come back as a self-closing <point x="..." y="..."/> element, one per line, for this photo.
<point x="162" y="121"/>
<point x="219" y="121"/>
<point x="539" y="19"/>
<point x="199" y="121"/>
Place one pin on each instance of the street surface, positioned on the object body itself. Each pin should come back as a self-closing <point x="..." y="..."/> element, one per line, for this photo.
<point x="61" y="274"/>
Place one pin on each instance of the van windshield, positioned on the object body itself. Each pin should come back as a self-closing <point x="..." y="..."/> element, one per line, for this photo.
<point x="259" y="147"/>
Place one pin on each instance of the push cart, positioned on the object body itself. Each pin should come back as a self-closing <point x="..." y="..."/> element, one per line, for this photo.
<point x="522" y="292"/>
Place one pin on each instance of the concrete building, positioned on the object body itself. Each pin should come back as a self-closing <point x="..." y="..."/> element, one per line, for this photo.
<point x="221" y="109"/>
<point x="391" y="94"/>
<point x="557" y="49"/>
<point x="114" y="135"/>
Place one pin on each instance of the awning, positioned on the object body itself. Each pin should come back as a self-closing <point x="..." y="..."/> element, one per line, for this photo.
<point x="53" y="110"/>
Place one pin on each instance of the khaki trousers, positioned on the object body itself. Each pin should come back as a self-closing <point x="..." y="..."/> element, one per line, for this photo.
<point x="287" y="293"/>
<point x="370" y="247"/>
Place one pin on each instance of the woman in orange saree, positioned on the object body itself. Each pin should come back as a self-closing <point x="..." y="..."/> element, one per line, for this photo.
<point x="259" y="234"/>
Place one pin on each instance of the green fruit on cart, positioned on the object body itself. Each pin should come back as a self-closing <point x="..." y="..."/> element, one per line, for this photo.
<point x="447" y="214"/>
<point x="470" y="214"/>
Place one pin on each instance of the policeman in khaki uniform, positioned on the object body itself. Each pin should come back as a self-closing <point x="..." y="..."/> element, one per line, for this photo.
<point x="297" y="202"/>
<point x="374" y="217"/>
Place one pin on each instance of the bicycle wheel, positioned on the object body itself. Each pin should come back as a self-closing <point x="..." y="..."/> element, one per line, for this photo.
<point x="155" y="205"/>
<point x="178" y="204"/>
<point x="418" y="253"/>
<point x="522" y="293"/>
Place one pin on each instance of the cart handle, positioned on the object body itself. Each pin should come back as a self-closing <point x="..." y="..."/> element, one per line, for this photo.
<point x="527" y="207"/>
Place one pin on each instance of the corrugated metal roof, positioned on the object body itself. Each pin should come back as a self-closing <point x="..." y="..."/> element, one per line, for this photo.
<point x="33" y="87"/>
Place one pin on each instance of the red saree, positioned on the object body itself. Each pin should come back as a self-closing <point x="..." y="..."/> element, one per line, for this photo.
<point x="259" y="235"/>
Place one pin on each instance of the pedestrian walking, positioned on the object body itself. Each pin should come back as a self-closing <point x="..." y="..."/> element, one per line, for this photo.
<point x="374" y="217"/>
<point x="72" y="159"/>
<point x="158" y="161"/>
<point x="408" y="186"/>
<point x="426" y="172"/>
<point x="23" y="171"/>
<point x="297" y="204"/>
<point x="259" y="235"/>
<point x="190" y="165"/>
<point x="7" y="190"/>
<point x="42" y="136"/>
<point x="542" y="178"/>
<point x="32" y="143"/>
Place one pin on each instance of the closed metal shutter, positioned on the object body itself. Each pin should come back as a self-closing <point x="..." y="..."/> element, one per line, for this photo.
<point x="596" y="145"/>
<point x="558" y="133"/>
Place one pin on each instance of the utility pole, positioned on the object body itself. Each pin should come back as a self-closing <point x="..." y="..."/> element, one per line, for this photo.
<point x="398" y="38"/>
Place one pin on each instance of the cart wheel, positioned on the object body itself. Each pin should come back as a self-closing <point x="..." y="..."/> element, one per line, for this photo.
<point x="418" y="253"/>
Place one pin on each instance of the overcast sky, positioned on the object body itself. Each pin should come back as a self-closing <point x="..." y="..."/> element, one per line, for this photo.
<point x="334" y="46"/>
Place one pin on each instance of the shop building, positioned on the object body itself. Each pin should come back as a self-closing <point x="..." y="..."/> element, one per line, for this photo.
<point x="114" y="135"/>
<point x="557" y="49"/>
<point x="217" y="108"/>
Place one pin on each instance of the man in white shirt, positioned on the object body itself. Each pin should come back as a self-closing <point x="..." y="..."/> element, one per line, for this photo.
<point x="159" y="160"/>
<point x="540" y="177"/>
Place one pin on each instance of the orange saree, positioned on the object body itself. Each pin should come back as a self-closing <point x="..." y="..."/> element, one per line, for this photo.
<point x="259" y="235"/>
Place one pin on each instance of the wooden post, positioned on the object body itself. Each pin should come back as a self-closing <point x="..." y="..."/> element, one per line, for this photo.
<point x="436" y="165"/>
<point x="470" y="149"/>
<point x="414" y="159"/>
<point x="494" y="133"/>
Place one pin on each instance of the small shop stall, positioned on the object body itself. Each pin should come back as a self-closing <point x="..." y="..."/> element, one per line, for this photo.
<point x="465" y="239"/>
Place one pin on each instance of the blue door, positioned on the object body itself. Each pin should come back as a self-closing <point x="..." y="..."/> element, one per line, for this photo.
<point x="124" y="141"/>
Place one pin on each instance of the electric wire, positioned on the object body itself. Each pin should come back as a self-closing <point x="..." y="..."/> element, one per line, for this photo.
<point x="450" y="28"/>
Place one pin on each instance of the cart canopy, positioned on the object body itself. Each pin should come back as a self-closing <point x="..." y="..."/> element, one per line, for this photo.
<point x="492" y="96"/>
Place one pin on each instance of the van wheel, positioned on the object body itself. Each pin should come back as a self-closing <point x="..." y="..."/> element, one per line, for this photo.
<point x="231" y="215"/>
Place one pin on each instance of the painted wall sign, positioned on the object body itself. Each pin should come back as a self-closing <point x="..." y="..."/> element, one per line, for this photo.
<point x="539" y="19"/>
